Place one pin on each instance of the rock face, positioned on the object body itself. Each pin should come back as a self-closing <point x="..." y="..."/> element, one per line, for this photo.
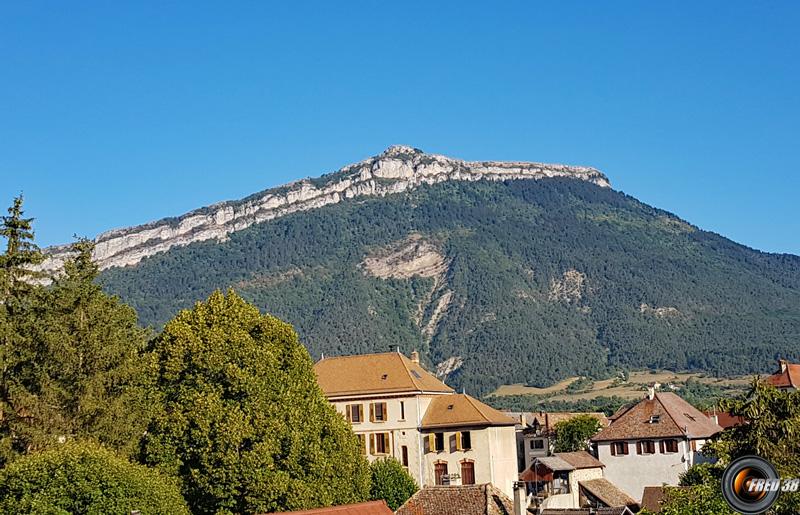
<point x="397" y="169"/>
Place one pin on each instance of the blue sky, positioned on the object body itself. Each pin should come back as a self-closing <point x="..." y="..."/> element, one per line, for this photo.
<point x="114" y="114"/>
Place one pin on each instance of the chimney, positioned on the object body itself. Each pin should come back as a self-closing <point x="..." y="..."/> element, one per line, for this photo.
<point x="415" y="357"/>
<point x="520" y="498"/>
<point x="784" y="365"/>
<point x="651" y="392"/>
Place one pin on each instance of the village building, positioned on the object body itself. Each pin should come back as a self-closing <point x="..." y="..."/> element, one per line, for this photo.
<point x="535" y="432"/>
<point x="572" y="480"/>
<point x="399" y="409"/>
<point x="787" y="377"/>
<point x="652" y="442"/>
<point x="363" y="508"/>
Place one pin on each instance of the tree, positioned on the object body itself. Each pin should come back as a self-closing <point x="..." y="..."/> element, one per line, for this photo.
<point x="242" y="420"/>
<point x="391" y="482"/>
<point x="18" y="297"/>
<point x="82" y="373"/>
<point x="574" y="434"/>
<point x="86" y="478"/>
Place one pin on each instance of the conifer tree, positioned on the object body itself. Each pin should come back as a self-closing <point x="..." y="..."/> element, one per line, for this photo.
<point x="242" y="420"/>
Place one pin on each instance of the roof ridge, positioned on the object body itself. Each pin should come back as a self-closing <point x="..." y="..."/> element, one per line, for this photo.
<point x="657" y="395"/>
<point x="475" y="406"/>
<point x="408" y="371"/>
<point x="363" y="354"/>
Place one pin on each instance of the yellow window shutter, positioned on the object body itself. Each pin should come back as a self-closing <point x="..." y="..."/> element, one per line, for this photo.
<point x="347" y="413"/>
<point x="388" y="442"/>
<point x="385" y="412"/>
<point x="361" y="412"/>
<point x="372" y="412"/>
<point x="372" y="444"/>
<point x="432" y="442"/>
<point x="458" y="442"/>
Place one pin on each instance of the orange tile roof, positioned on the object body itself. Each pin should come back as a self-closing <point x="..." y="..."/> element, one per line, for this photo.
<point x="608" y="493"/>
<point x="580" y="459"/>
<point x="459" y="409"/>
<point x="364" y="508"/>
<point x="676" y="418"/>
<point x="388" y="372"/>
<point x="458" y="500"/>
<point x="785" y="378"/>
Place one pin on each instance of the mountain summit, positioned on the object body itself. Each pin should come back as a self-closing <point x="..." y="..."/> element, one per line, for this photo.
<point x="495" y="272"/>
<point x="398" y="168"/>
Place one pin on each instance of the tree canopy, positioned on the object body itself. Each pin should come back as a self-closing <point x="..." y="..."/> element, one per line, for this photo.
<point x="574" y="434"/>
<point x="86" y="478"/>
<point x="391" y="482"/>
<point x="242" y="420"/>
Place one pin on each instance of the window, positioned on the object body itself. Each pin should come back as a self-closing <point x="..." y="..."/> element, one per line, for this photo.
<point x="463" y="441"/>
<point x="362" y="441"/>
<point x="537" y="444"/>
<point x="439" y="442"/>
<point x="354" y="413"/>
<point x="377" y="412"/>
<point x="655" y="419"/>
<point x="669" y="446"/>
<point x="404" y="455"/>
<point x="619" y="448"/>
<point x="402" y="410"/>
<point x="467" y="473"/>
<point x="646" y="447"/>
<point x="379" y="443"/>
<point x="439" y="470"/>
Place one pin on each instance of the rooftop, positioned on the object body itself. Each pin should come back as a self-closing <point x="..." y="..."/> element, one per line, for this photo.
<point x="389" y="372"/>
<point x="458" y="500"/>
<point x="787" y="376"/>
<point x="607" y="493"/>
<point x="364" y="508"/>
<point x="580" y="459"/>
<point x="665" y="415"/>
<point x="459" y="410"/>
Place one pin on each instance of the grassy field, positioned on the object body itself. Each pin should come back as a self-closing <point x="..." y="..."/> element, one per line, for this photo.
<point x="633" y="388"/>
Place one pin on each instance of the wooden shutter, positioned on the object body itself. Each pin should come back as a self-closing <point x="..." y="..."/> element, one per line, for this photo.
<point x="431" y="442"/>
<point x="361" y="412"/>
<point x="372" y="412"/>
<point x="638" y="447"/>
<point x="624" y="447"/>
<point x="661" y="446"/>
<point x="613" y="448"/>
<point x="347" y="413"/>
<point x="458" y="442"/>
<point x="385" y="411"/>
<point x="372" y="444"/>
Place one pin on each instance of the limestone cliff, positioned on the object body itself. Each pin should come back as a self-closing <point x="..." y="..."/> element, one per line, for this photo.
<point x="397" y="169"/>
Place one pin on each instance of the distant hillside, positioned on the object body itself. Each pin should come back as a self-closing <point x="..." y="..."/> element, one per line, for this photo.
<point x="529" y="280"/>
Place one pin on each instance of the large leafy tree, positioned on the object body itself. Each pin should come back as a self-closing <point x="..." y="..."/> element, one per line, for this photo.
<point x="391" y="482"/>
<point x="86" y="478"/>
<point x="573" y="434"/>
<point x="243" y="421"/>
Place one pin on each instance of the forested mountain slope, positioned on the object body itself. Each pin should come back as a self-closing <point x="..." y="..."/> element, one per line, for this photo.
<point x="522" y="281"/>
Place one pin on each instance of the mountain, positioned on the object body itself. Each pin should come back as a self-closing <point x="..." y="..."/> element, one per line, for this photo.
<point x="497" y="272"/>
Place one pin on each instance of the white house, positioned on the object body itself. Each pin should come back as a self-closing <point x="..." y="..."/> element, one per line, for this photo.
<point x="653" y="442"/>
<point x="399" y="409"/>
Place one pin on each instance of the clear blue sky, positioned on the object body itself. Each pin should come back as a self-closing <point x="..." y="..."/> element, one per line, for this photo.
<point x="119" y="113"/>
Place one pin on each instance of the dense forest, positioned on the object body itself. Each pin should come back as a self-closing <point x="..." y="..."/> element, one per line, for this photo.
<point x="541" y="280"/>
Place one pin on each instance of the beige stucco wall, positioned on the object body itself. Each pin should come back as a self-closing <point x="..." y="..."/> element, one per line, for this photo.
<point x="632" y="472"/>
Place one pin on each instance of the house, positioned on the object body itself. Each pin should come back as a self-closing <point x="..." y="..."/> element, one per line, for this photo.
<point x="572" y="480"/>
<point x="399" y="409"/>
<point x="535" y="432"/>
<point x="364" y="508"/>
<point x="653" y="497"/>
<point x="787" y="377"/>
<point x="652" y="442"/>
<point x="458" y="500"/>
<point x="623" y="510"/>
<point x="723" y="419"/>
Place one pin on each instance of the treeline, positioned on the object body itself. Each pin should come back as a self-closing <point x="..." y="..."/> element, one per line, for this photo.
<point x="219" y="412"/>
<point x="727" y="309"/>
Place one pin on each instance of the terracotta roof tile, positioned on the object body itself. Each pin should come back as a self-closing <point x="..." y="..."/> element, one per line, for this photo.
<point x="364" y="508"/>
<point x="608" y="493"/>
<point x="653" y="496"/>
<point x="458" y="500"/>
<point x="788" y="378"/>
<point x="459" y="409"/>
<point x="580" y="459"/>
<point x="389" y="372"/>
<point x="547" y="420"/>
<point x="664" y="416"/>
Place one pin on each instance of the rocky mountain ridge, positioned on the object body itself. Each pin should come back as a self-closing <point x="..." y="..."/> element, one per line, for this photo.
<point x="399" y="168"/>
